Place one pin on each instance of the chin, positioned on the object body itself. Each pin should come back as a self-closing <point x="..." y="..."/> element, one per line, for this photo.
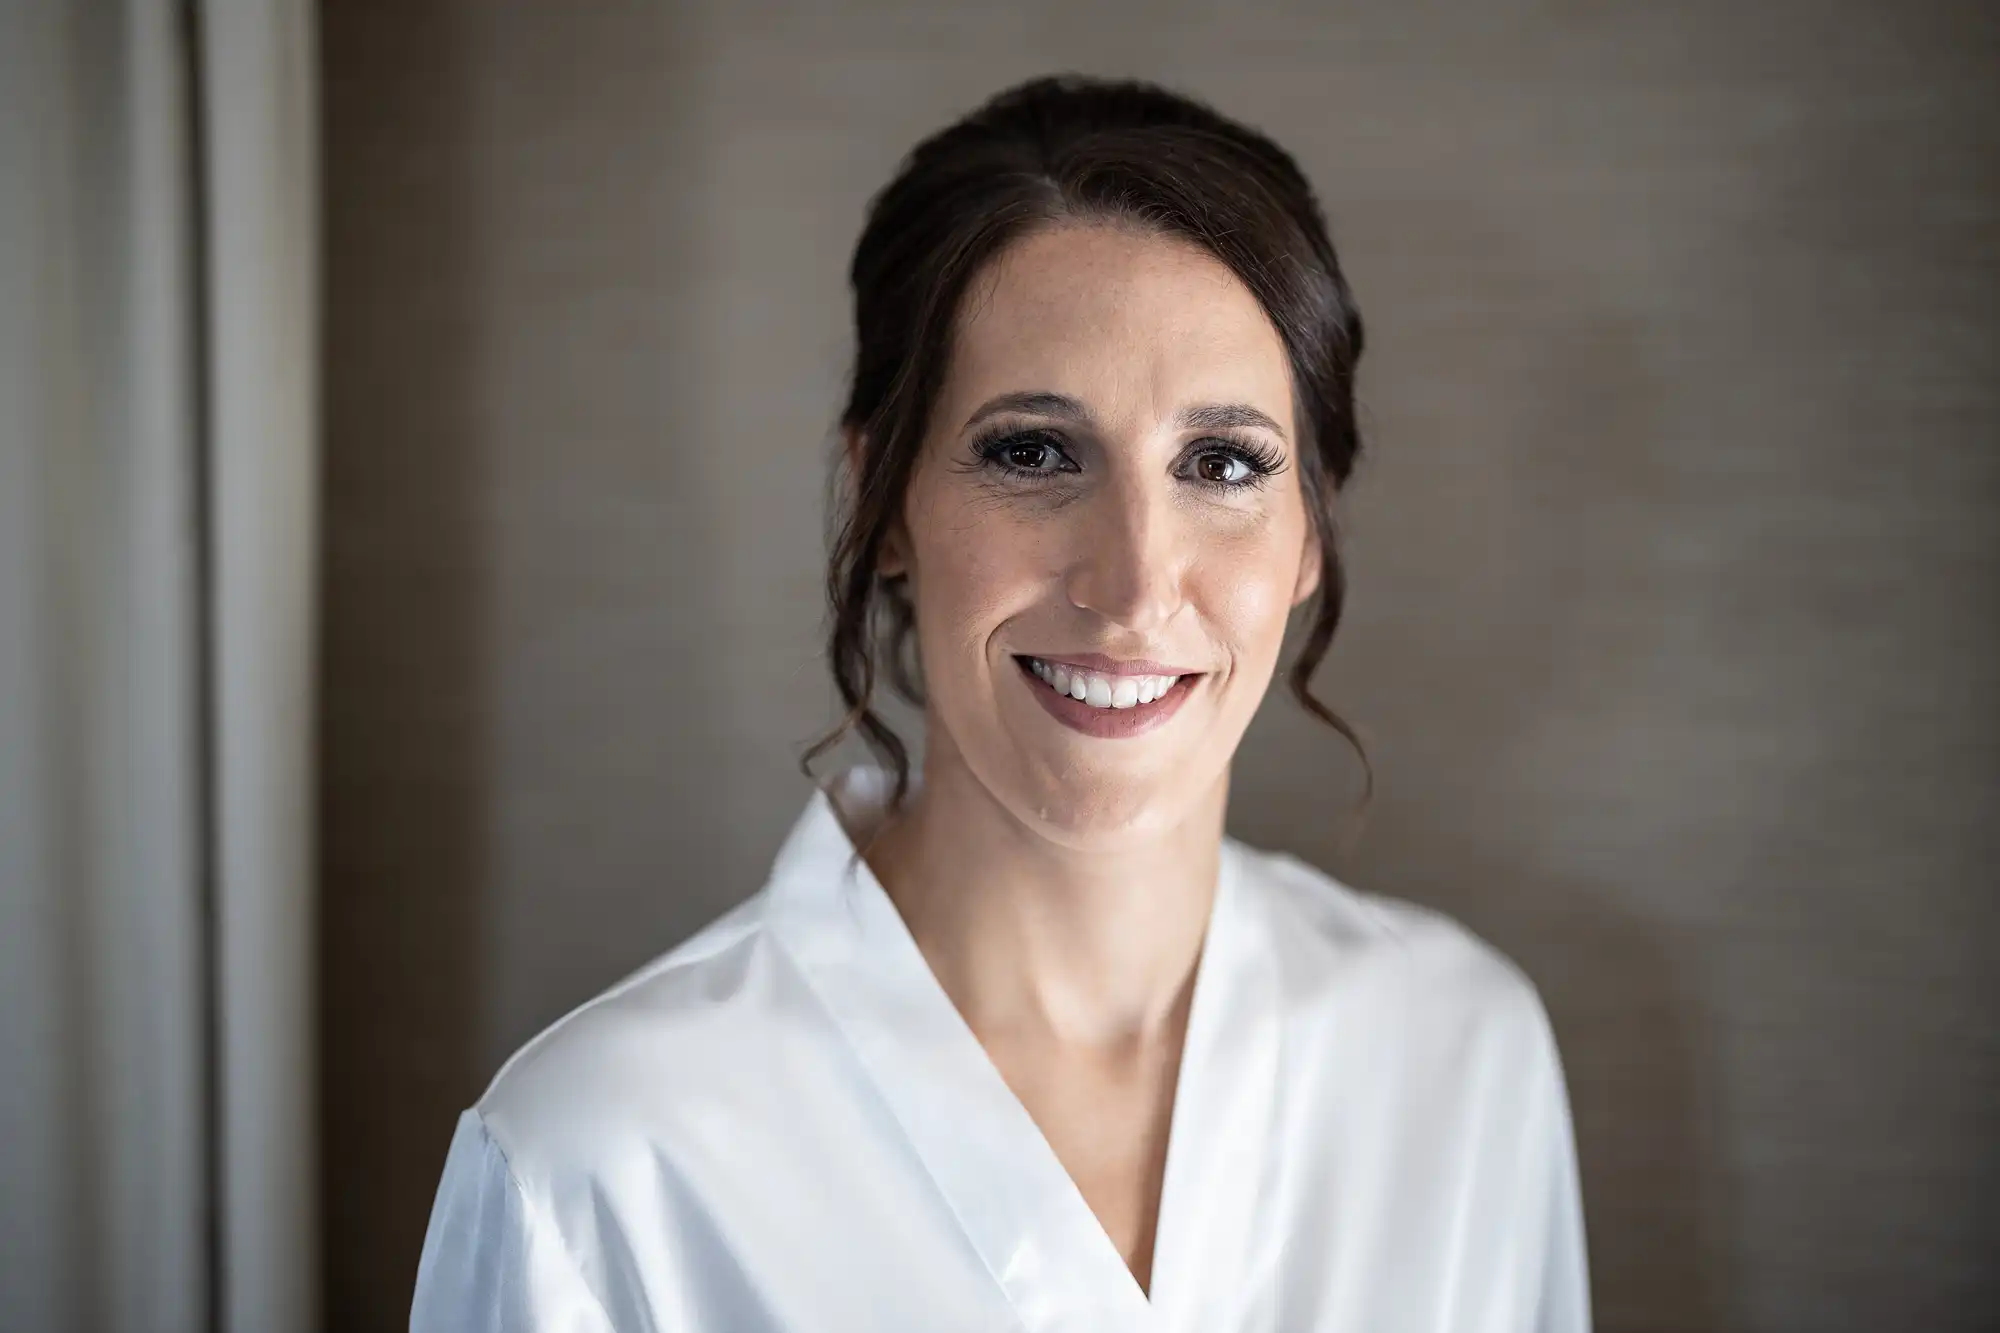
<point x="1105" y="807"/>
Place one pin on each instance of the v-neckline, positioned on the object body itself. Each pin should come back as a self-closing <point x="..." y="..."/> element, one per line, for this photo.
<point x="1018" y="1205"/>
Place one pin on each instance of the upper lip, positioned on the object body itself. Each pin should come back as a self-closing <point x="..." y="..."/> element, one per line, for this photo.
<point x="1113" y="666"/>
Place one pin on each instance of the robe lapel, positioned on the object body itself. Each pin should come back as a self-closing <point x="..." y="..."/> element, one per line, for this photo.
<point x="1220" y="1144"/>
<point x="1018" y="1206"/>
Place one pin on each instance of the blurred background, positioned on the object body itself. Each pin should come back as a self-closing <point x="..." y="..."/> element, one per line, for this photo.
<point x="412" y="509"/>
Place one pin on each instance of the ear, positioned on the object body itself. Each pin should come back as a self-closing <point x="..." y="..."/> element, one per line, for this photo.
<point x="893" y="558"/>
<point x="1310" y="563"/>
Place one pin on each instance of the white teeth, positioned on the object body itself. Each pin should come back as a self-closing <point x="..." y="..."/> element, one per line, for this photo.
<point x="1098" y="690"/>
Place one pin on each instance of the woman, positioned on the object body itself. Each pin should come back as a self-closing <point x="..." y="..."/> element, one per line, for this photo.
<point x="1027" y="1043"/>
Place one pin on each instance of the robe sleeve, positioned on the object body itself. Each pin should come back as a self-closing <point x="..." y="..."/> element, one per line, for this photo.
<point x="1564" y="1305"/>
<point x="492" y="1261"/>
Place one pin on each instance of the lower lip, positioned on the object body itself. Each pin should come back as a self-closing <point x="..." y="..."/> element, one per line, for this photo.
<point x="1107" y="723"/>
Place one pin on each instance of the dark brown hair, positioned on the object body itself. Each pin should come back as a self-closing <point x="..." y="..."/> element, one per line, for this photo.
<point x="1083" y="149"/>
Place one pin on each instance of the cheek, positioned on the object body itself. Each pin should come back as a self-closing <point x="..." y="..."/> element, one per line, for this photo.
<point x="1245" y="589"/>
<point x="974" y="569"/>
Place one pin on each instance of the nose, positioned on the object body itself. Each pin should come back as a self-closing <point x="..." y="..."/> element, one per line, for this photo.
<point x="1128" y="564"/>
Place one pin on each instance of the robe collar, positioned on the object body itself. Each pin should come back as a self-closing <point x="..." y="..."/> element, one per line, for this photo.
<point x="1018" y="1207"/>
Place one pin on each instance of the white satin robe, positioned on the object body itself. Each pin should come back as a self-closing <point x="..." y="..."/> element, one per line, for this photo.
<point x="784" y="1125"/>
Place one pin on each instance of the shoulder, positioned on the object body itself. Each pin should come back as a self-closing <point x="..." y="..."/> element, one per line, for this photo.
<point x="599" y="1080"/>
<point x="1414" y="971"/>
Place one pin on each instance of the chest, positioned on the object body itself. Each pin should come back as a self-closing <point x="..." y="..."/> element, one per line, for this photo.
<point x="1106" y="1118"/>
<point x="824" y="1211"/>
<point x="851" y="1156"/>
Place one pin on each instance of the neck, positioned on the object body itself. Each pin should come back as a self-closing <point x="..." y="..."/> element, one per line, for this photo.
<point x="1094" y="947"/>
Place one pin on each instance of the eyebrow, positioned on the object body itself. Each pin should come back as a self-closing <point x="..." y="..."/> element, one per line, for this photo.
<point x="1222" y="416"/>
<point x="1206" y="416"/>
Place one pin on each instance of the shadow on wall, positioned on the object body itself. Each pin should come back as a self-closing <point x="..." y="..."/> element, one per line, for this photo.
<point x="1492" y="530"/>
<point x="404" y="749"/>
<point x="519" y="717"/>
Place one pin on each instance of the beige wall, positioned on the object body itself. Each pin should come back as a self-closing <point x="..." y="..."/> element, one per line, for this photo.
<point x="1674" y="567"/>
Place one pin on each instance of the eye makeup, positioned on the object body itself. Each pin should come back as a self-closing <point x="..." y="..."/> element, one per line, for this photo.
<point x="1040" y="454"/>
<point x="1034" y="453"/>
<point x="1260" y="461"/>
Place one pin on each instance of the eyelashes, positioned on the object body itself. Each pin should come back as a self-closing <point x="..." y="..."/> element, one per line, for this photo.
<point x="1035" y="453"/>
<point x="1258" y="460"/>
<point x="1038" y="455"/>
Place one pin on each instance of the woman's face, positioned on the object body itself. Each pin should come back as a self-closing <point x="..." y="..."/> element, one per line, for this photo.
<point x="1104" y="532"/>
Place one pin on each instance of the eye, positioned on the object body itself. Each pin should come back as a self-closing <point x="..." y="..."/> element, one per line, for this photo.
<point x="1232" y="464"/>
<point x="1222" y="469"/>
<point x="1026" y="454"/>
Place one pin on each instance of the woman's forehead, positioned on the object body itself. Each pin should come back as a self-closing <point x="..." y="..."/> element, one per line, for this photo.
<point x="1130" y="322"/>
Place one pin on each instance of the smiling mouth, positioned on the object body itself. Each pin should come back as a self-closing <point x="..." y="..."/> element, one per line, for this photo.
<point x="1099" y="689"/>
